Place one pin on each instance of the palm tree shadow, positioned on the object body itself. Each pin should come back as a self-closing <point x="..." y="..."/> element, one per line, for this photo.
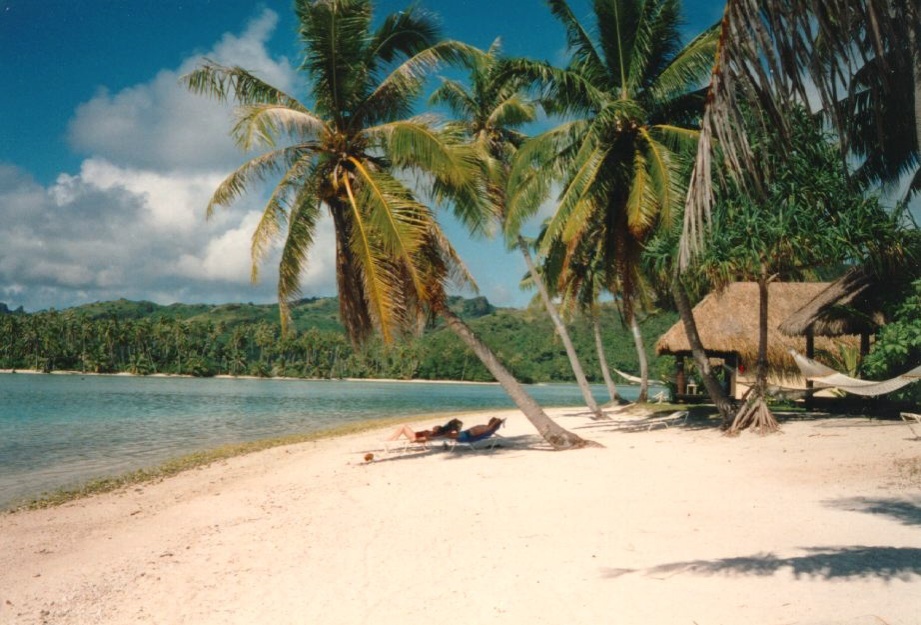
<point x="829" y="563"/>
<point x="905" y="511"/>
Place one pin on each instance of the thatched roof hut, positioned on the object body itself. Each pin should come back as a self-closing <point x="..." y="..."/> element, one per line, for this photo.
<point x="849" y="305"/>
<point x="728" y="324"/>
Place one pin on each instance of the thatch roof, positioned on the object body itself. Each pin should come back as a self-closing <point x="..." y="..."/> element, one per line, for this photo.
<point x="848" y="305"/>
<point x="728" y="323"/>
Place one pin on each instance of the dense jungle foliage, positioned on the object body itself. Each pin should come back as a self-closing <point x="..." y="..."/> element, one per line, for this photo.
<point x="245" y="339"/>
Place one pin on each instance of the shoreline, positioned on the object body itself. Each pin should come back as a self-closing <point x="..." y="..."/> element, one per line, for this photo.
<point x="815" y="525"/>
<point x="125" y="374"/>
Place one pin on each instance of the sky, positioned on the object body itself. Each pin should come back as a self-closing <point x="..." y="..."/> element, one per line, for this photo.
<point x="107" y="162"/>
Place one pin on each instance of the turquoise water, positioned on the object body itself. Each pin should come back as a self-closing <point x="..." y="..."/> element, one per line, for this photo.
<point x="57" y="431"/>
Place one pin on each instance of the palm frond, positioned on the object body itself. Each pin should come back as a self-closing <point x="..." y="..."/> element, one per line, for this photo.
<point x="296" y="181"/>
<point x="511" y="112"/>
<point x="575" y="202"/>
<point x="261" y="124"/>
<point x="689" y="69"/>
<point x="394" y="94"/>
<point x="236" y="84"/>
<point x="399" y="223"/>
<point x="455" y="96"/>
<point x="372" y="266"/>
<point x="253" y="171"/>
<point x="335" y="37"/>
<point x="302" y="225"/>
<point x="580" y="43"/>
<point x="403" y="33"/>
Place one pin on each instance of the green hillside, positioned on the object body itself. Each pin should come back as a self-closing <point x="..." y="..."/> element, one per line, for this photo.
<point x="205" y="339"/>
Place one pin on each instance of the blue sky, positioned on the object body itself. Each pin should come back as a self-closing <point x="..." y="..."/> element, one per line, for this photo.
<point x="106" y="163"/>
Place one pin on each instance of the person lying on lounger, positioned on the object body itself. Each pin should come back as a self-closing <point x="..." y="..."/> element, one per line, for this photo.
<point x="448" y="430"/>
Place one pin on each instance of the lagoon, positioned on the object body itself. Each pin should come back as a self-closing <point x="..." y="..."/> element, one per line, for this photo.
<point x="58" y="431"/>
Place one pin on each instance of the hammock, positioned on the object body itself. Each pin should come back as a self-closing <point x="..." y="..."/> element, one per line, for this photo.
<point x="826" y="376"/>
<point x="629" y="378"/>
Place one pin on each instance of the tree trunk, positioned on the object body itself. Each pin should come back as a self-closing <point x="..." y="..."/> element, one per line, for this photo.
<point x="558" y="437"/>
<point x="641" y="357"/>
<point x="916" y="74"/>
<point x="561" y="332"/>
<point x="602" y="360"/>
<point x="756" y="413"/>
<point x="714" y="389"/>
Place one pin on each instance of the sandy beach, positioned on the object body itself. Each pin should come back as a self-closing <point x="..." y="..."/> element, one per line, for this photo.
<point x="670" y="522"/>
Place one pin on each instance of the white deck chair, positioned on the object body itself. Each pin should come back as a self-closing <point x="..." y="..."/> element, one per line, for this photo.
<point x="912" y="419"/>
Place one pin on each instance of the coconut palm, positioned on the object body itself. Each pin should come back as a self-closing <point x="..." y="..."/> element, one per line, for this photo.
<point x="578" y="279"/>
<point x="489" y="113"/>
<point x="347" y="155"/>
<point x="632" y="96"/>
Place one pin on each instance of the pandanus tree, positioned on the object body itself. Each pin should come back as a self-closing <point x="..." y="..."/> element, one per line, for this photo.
<point x="350" y="155"/>
<point x="801" y="229"/>
<point x="489" y="113"/>
<point x="772" y="56"/>
<point x="631" y="98"/>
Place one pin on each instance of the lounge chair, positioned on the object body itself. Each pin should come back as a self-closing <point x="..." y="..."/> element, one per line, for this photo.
<point x="405" y="437"/>
<point x="912" y="419"/>
<point x="479" y="433"/>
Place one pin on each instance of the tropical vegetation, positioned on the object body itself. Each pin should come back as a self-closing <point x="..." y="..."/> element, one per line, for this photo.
<point x="144" y="338"/>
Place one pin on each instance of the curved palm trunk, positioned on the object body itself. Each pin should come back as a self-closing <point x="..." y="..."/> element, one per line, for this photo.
<point x="714" y="388"/>
<point x="603" y="361"/>
<point x="561" y="331"/>
<point x="641" y="357"/>
<point x="558" y="437"/>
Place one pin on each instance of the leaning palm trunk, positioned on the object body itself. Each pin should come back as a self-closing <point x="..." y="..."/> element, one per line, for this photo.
<point x="561" y="331"/>
<point x="714" y="389"/>
<point x="641" y="357"/>
<point x="755" y="413"/>
<point x="603" y="361"/>
<point x="558" y="437"/>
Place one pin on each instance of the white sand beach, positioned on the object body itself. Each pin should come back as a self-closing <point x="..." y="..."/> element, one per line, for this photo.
<point x="678" y="524"/>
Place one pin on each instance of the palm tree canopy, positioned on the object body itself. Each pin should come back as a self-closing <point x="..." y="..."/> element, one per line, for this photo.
<point x="351" y="154"/>
<point x="630" y="96"/>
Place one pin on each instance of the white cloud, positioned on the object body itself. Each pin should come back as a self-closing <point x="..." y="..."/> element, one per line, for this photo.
<point x="161" y="126"/>
<point x="131" y="222"/>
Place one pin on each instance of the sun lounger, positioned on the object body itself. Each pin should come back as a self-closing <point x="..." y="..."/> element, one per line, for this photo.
<point x="912" y="419"/>
<point x="479" y="434"/>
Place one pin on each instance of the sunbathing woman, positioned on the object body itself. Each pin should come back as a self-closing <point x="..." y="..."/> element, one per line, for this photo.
<point x="448" y="430"/>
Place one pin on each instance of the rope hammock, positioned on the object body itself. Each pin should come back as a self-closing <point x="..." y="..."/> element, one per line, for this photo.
<point x="629" y="378"/>
<point x="826" y="376"/>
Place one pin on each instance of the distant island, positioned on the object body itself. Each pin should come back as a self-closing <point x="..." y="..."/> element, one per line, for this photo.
<point x="142" y="337"/>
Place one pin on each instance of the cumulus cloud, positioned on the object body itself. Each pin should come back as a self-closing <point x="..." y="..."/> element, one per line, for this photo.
<point x="160" y="125"/>
<point x="131" y="222"/>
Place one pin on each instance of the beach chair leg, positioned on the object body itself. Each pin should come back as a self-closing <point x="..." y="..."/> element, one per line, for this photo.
<point x="911" y="420"/>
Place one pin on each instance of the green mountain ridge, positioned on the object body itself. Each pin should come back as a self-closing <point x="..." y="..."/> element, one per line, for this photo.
<point x="237" y="338"/>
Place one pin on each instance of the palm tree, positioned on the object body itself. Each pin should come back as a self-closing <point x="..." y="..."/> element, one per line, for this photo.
<point x="633" y="96"/>
<point x="489" y="113"/>
<point x="579" y="278"/>
<point x="345" y="155"/>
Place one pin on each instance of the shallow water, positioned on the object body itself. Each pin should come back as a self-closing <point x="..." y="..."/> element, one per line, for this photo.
<point x="57" y="431"/>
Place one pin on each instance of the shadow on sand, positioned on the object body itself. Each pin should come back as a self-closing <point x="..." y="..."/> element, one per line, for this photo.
<point x="829" y="563"/>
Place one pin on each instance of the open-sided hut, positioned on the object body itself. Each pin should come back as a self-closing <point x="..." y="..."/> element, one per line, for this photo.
<point x="847" y="306"/>
<point x="727" y="321"/>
